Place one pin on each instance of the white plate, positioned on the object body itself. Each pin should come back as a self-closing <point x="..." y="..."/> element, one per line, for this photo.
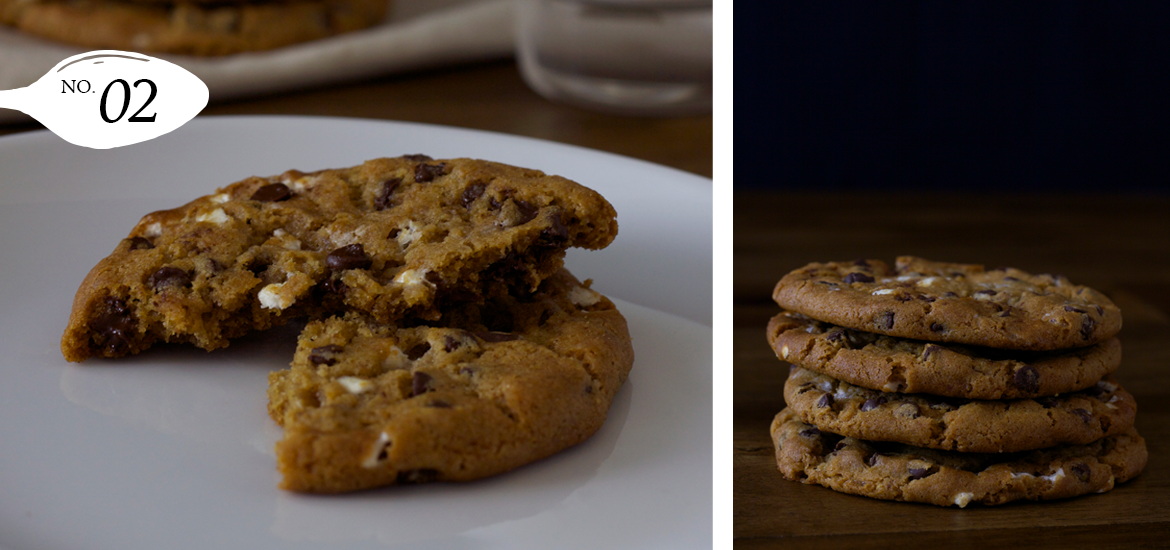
<point x="173" y="449"/>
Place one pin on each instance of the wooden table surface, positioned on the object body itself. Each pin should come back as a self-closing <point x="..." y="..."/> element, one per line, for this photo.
<point x="1119" y="245"/>
<point x="488" y="96"/>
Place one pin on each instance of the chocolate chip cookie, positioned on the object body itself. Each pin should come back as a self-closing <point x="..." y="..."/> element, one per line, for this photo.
<point x="962" y="425"/>
<point x="193" y="28"/>
<point x="947" y="302"/>
<point x="893" y="364"/>
<point x="467" y="396"/>
<point x="892" y="471"/>
<point x="391" y="238"/>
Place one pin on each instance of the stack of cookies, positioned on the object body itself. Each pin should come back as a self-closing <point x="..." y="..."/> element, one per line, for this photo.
<point x="950" y="384"/>
<point x="193" y="27"/>
<point x="445" y="341"/>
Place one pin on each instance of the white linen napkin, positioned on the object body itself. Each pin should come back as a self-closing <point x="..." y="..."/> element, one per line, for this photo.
<point x="418" y="34"/>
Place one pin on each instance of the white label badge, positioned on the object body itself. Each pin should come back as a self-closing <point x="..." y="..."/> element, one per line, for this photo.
<point x="109" y="98"/>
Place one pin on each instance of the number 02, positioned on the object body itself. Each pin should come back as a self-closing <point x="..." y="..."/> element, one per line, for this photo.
<point x="126" y="102"/>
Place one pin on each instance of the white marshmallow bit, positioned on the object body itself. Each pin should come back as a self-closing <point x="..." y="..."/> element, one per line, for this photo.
<point x="1021" y="474"/>
<point x="583" y="297"/>
<point x="1059" y="475"/>
<point x="375" y="459"/>
<point x="882" y="291"/>
<point x="784" y="352"/>
<point x="408" y="234"/>
<point x="928" y="281"/>
<point x="354" y="384"/>
<point x="963" y="499"/>
<point x="270" y="297"/>
<point x="221" y="198"/>
<point x="279" y="233"/>
<point x="217" y="216"/>
<point x="411" y="277"/>
<point x="154" y="229"/>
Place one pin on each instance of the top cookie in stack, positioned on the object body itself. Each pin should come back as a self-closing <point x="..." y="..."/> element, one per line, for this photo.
<point x="192" y="27"/>
<point x="948" y="383"/>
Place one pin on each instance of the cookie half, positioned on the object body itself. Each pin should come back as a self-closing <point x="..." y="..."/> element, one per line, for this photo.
<point x="945" y="302"/>
<point x="390" y="238"/>
<point x="366" y="404"/>
<point x="891" y="364"/>
<point x="890" y="471"/>
<point x="193" y="28"/>
<point x="970" y="426"/>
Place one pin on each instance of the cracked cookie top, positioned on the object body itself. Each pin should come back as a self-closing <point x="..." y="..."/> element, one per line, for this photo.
<point x="970" y="426"/>
<point x="893" y="364"/>
<point x="947" y="302"/>
<point x="892" y="471"/>
<point x="391" y="238"/>
<point x="482" y="390"/>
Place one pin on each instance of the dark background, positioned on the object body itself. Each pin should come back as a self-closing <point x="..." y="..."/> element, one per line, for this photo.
<point x="968" y="96"/>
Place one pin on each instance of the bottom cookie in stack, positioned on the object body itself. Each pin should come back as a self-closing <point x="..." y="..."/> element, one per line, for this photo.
<point x="893" y="471"/>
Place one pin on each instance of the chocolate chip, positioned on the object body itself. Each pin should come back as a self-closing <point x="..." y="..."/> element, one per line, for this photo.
<point x="856" y="277"/>
<point x="1100" y="310"/>
<point x="903" y="297"/>
<point x="1085" y="415"/>
<point x="348" y="257"/>
<point x="1074" y="309"/>
<point x="1027" y="379"/>
<point x="140" y="243"/>
<point x="926" y="298"/>
<point x="987" y="292"/>
<point x="872" y="403"/>
<point x="467" y="371"/>
<point x="1010" y="278"/>
<point x="1087" y="327"/>
<point x="496" y="336"/>
<point x="835" y="335"/>
<point x="170" y="276"/>
<point x="437" y="404"/>
<point x="273" y="192"/>
<point x="383" y="199"/>
<point x="417" y="157"/>
<point x="825" y="401"/>
<point x="1081" y="470"/>
<point x="810" y="432"/>
<point x="450" y="343"/>
<point x="1105" y="424"/>
<point x="114" y="328"/>
<point x="919" y="473"/>
<point x="929" y="350"/>
<point x="428" y="172"/>
<point x="419" y="383"/>
<point x="873" y="459"/>
<point x="885" y="320"/>
<point x="422" y="475"/>
<point x="937" y="327"/>
<point x="324" y="355"/>
<point x="473" y="191"/>
<point x="840" y="445"/>
<point x="527" y="211"/>
<point x="418" y="351"/>
<point x="949" y="294"/>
